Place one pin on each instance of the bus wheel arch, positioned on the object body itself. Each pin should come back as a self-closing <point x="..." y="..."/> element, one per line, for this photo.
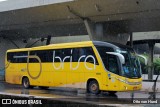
<point x="93" y="86"/>
<point x="25" y="82"/>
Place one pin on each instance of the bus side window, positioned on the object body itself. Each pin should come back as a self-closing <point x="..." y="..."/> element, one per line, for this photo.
<point x="58" y="53"/>
<point x="44" y="55"/>
<point x="113" y="64"/>
<point x="23" y="59"/>
<point x="10" y="57"/>
<point x="77" y="53"/>
<point x="86" y="51"/>
<point x="49" y="56"/>
<point x="102" y="52"/>
<point x="66" y="53"/>
<point x="33" y="60"/>
<point x="89" y="52"/>
<point x="17" y="57"/>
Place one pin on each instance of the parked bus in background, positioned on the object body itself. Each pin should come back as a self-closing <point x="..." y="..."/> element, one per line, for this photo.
<point x="92" y="65"/>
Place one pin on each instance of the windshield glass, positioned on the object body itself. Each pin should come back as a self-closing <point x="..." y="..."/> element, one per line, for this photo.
<point x="131" y="68"/>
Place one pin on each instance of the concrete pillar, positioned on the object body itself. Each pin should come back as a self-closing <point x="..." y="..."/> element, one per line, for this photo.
<point x="90" y="28"/>
<point x="95" y="31"/>
<point x="99" y="31"/>
<point x="150" y="60"/>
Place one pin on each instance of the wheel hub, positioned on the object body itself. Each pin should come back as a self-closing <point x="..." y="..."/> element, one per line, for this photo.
<point x="25" y="83"/>
<point x="94" y="87"/>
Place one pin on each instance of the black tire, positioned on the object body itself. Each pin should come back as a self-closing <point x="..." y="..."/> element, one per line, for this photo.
<point x="26" y="83"/>
<point x="93" y="87"/>
<point x="43" y="87"/>
<point x="112" y="92"/>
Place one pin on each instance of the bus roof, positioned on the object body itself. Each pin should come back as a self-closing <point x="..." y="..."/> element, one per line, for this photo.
<point x="55" y="46"/>
<point x="72" y="44"/>
<point x="110" y="44"/>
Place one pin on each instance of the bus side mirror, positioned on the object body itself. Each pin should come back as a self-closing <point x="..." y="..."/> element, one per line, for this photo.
<point x="120" y="56"/>
<point x="143" y="57"/>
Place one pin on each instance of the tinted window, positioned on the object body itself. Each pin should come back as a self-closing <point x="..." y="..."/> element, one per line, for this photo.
<point x="66" y="54"/>
<point x="102" y="51"/>
<point x="113" y="64"/>
<point x="58" y="53"/>
<point x="80" y="54"/>
<point x="44" y="55"/>
<point x="17" y="57"/>
<point x="47" y="55"/>
<point x="110" y="61"/>
<point x="77" y="53"/>
<point x="62" y="55"/>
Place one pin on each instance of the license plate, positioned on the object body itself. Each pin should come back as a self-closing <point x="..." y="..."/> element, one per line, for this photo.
<point x="135" y="88"/>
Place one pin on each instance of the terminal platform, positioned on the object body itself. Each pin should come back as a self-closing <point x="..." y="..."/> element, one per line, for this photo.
<point x="58" y="96"/>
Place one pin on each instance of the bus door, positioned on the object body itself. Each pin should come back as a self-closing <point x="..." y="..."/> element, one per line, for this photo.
<point x="113" y="72"/>
<point x="110" y="63"/>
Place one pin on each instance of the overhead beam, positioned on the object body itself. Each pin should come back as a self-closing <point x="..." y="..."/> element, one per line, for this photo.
<point x="12" y="42"/>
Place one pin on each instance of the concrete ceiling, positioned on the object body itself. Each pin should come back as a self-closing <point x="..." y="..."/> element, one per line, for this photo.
<point x="134" y="15"/>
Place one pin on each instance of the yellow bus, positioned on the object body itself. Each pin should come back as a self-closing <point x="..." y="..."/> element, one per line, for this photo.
<point x="92" y="65"/>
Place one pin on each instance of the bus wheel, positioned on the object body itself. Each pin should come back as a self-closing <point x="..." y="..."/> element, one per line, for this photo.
<point x="25" y="83"/>
<point x="43" y="87"/>
<point x="93" y="87"/>
<point x="112" y="92"/>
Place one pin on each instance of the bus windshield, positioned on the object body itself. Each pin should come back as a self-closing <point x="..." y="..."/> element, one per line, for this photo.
<point x="131" y="68"/>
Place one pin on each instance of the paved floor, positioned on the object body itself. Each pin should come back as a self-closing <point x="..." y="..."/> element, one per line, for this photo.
<point x="148" y="86"/>
<point x="74" y="95"/>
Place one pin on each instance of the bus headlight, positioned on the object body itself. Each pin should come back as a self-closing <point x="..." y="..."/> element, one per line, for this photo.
<point x="129" y="83"/>
<point x="125" y="87"/>
<point x="133" y="83"/>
